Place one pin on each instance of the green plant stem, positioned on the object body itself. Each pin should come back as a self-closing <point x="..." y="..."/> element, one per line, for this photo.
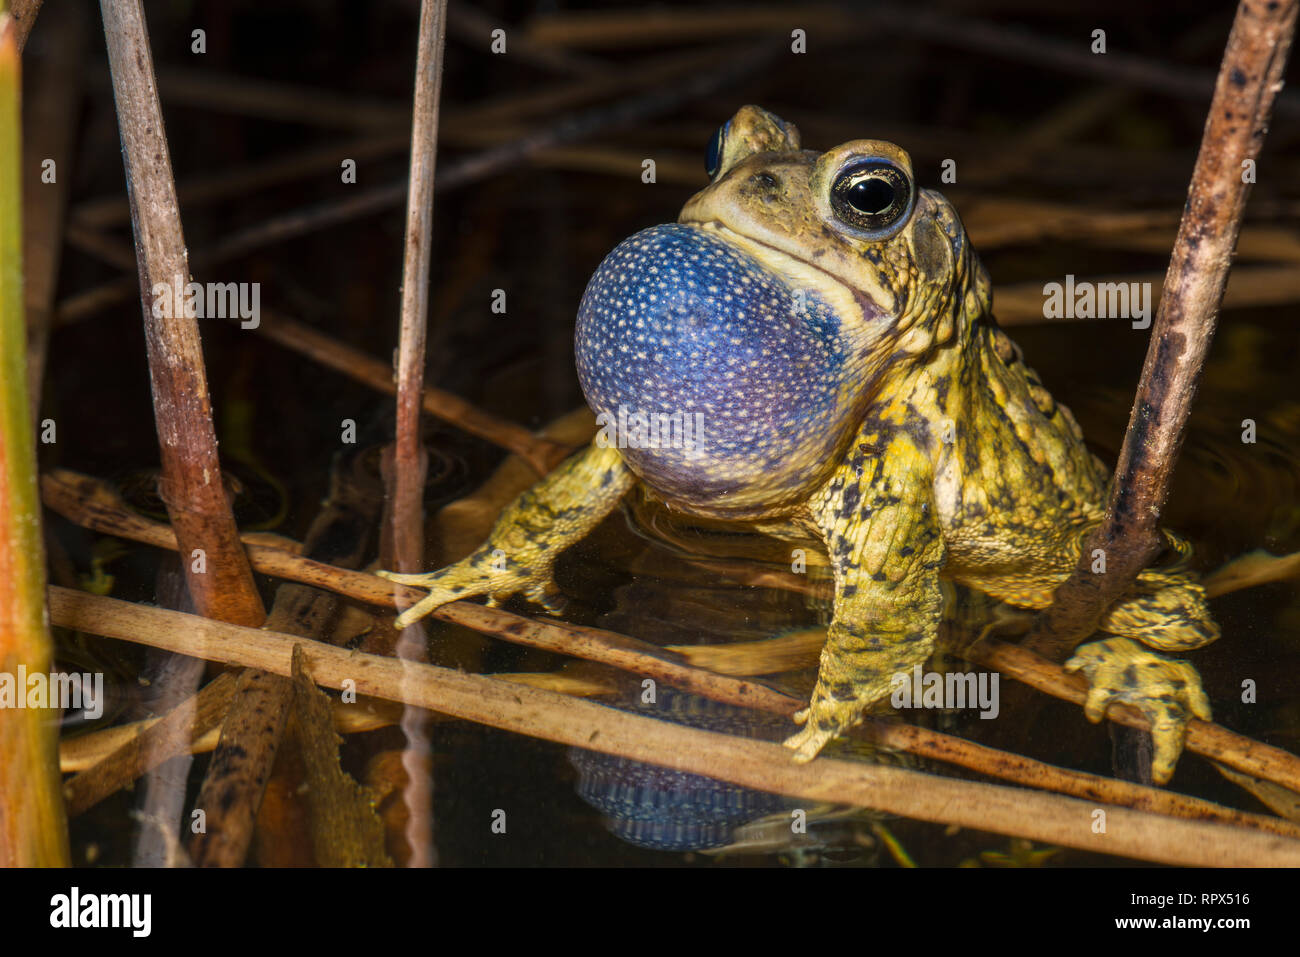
<point x="33" y="827"/>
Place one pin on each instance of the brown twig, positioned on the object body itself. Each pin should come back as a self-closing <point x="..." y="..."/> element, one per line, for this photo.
<point x="755" y="764"/>
<point x="1066" y="56"/>
<point x="1253" y="568"/>
<point x="647" y="26"/>
<point x="247" y="96"/>
<point x="995" y="221"/>
<point x="87" y="750"/>
<point x="646" y="660"/>
<point x="162" y="740"/>
<point x="406" y="461"/>
<point x="23" y="14"/>
<point x="83" y="751"/>
<point x="1209" y="740"/>
<point x="509" y="109"/>
<point x="475" y="27"/>
<point x="216" y="569"/>
<point x="406" y="528"/>
<point x="1011" y="767"/>
<point x="1249" y="79"/>
<point x="253" y="718"/>
<point x="239" y="772"/>
<point x="599" y="29"/>
<point x="235" y="779"/>
<point x="107" y="249"/>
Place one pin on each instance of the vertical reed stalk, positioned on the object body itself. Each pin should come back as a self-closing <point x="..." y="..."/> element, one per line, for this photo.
<point x="33" y="829"/>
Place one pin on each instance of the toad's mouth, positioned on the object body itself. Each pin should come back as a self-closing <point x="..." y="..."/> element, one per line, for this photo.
<point x="857" y="308"/>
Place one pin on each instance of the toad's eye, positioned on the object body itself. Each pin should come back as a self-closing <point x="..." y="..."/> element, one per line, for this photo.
<point x="713" y="156"/>
<point x="873" y="195"/>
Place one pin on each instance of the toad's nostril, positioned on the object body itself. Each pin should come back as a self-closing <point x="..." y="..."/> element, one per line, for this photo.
<point x="765" y="180"/>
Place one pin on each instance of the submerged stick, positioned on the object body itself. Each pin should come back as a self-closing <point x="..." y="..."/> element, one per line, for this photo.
<point x="167" y="737"/>
<point x="1129" y="536"/>
<point x="244" y="763"/>
<point x="376" y="713"/>
<point x="756" y="764"/>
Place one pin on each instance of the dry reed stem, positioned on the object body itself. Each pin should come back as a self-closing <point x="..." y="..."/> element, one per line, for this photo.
<point x="191" y="486"/>
<point x="406" y="517"/>
<point x="1249" y="79"/>
<point x="406" y="458"/>
<point x="755" y="764"/>
<point x="166" y="737"/>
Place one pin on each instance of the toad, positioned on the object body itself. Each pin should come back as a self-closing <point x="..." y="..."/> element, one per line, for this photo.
<point x="811" y="350"/>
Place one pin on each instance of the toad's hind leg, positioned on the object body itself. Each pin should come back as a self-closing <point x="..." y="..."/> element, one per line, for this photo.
<point x="1163" y="611"/>
<point x="882" y="535"/>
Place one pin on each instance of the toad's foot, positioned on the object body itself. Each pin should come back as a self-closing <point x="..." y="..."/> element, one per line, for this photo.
<point x="486" y="572"/>
<point x="1166" y="691"/>
<point x="523" y="546"/>
<point x="823" y="720"/>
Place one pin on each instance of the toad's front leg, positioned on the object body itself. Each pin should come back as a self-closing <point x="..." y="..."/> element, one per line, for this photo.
<point x="878" y="520"/>
<point x="520" y="553"/>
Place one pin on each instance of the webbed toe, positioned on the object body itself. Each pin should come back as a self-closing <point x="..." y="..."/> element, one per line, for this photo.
<point x="1166" y="691"/>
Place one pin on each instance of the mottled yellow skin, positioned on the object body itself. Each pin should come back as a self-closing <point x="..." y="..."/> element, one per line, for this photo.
<point x="960" y="466"/>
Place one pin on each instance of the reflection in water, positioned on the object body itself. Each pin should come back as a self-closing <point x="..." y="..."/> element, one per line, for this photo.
<point x="669" y="810"/>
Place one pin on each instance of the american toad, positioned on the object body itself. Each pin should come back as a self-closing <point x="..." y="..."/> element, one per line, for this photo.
<point x="811" y="350"/>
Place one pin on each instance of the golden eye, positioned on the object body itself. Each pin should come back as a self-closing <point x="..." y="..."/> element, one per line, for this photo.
<point x="873" y="195"/>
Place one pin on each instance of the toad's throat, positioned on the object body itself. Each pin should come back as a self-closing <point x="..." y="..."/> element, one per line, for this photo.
<point x="723" y="385"/>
